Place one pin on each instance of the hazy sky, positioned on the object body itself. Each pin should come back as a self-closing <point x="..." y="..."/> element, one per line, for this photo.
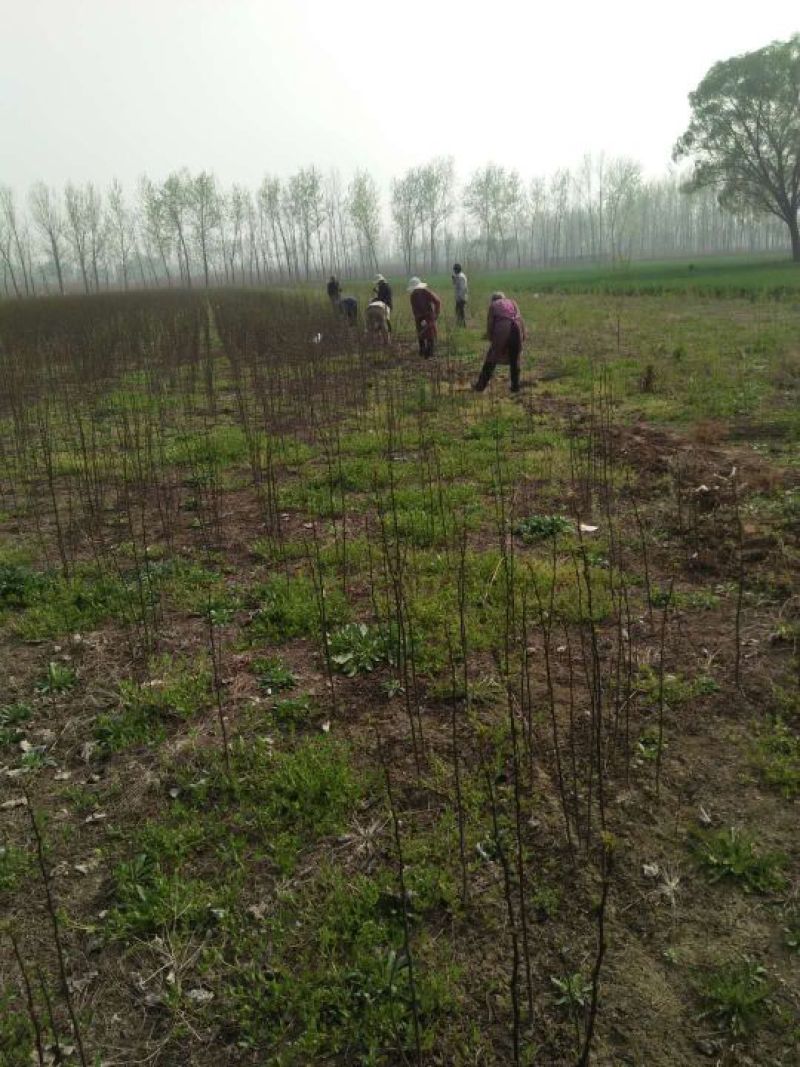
<point x="92" y="89"/>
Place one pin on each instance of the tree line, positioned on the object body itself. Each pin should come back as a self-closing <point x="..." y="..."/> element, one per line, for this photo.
<point x="189" y="230"/>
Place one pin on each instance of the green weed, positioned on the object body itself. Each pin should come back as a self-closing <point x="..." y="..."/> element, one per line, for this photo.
<point x="777" y="757"/>
<point x="648" y="744"/>
<point x="546" y="900"/>
<point x="12" y="716"/>
<point x="338" y="982"/>
<point x="284" y="799"/>
<point x="221" y="446"/>
<point x="538" y="527"/>
<point x="287" y="607"/>
<point x="149" y="900"/>
<point x="294" y="714"/>
<point x="36" y="758"/>
<point x="735" y="996"/>
<point x="19" y="585"/>
<point x="573" y="992"/>
<point x="16" y="1033"/>
<point x="270" y="550"/>
<point x="194" y="588"/>
<point x="59" y="678"/>
<point x="484" y="691"/>
<point x="732" y="855"/>
<point x="273" y="674"/>
<point x="677" y="690"/>
<point x="179" y="690"/>
<point x="14" y="863"/>
<point x="358" y="648"/>
<point x="76" y="604"/>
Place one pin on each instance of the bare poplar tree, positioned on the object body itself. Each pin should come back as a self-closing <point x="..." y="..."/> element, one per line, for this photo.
<point x="592" y="193"/>
<point x="95" y="230"/>
<point x="407" y="212"/>
<point x="306" y="203"/>
<point x="339" y="239"/>
<point x="77" y="229"/>
<point x="558" y="192"/>
<point x="204" y="210"/>
<point x="515" y="210"/>
<point x="251" y="238"/>
<point x="436" y="198"/>
<point x="363" y="205"/>
<point x="155" y="225"/>
<point x="488" y="198"/>
<point x="120" y="231"/>
<point x="49" y="221"/>
<point x="622" y="185"/>
<point x="237" y="215"/>
<point x="176" y="197"/>
<point x="16" y="241"/>
<point x="7" y="257"/>
<point x="271" y="204"/>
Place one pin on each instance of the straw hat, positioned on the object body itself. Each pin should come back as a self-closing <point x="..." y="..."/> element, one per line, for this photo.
<point x="415" y="283"/>
<point x="379" y="278"/>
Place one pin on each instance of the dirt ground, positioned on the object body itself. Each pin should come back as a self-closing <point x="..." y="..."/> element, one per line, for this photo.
<point x="668" y="926"/>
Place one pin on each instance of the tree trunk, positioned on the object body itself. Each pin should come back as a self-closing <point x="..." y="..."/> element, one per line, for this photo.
<point x="8" y="267"/>
<point x="794" y="233"/>
<point x="84" y="275"/>
<point x="57" y="261"/>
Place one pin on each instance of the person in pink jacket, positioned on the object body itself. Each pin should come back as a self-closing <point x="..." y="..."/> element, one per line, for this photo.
<point x="505" y="331"/>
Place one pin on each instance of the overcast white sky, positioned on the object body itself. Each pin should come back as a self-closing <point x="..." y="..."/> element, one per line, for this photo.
<point x="92" y="89"/>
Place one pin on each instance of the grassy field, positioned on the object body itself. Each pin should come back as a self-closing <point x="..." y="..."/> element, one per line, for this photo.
<point x="766" y="277"/>
<point x="350" y="717"/>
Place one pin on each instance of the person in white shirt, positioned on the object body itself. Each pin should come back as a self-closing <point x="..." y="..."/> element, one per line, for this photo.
<point x="461" y="293"/>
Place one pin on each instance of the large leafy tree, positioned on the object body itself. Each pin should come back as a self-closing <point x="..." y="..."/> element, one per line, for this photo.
<point x="744" y="134"/>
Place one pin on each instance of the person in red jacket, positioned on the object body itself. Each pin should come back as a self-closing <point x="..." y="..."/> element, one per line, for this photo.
<point x="425" y="307"/>
<point x="505" y="330"/>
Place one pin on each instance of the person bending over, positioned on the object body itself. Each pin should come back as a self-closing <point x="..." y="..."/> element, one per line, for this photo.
<point x="377" y="320"/>
<point x="425" y="307"/>
<point x="348" y="309"/>
<point x="505" y="331"/>
<point x="383" y="291"/>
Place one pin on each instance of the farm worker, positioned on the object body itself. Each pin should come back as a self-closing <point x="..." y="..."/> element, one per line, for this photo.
<point x="505" y="331"/>
<point x="383" y="291"/>
<point x="348" y="309"/>
<point x="334" y="290"/>
<point x="461" y="294"/>
<point x="378" y="320"/>
<point x="425" y="307"/>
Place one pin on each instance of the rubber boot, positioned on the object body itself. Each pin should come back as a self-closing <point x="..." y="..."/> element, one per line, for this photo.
<point x="487" y="370"/>
<point x="514" y="370"/>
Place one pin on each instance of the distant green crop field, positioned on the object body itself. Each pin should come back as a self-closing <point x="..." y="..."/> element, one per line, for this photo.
<point x="763" y="277"/>
<point x="720" y="277"/>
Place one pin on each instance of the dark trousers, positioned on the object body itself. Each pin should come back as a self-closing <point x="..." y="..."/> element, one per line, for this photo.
<point x="514" y="352"/>
<point x="427" y="341"/>
<point x="461" y="308"/>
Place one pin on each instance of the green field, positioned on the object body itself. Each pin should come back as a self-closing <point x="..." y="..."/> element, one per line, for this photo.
<point x="350" y="717"/>
<point x="719" y="276"/>
<point x="766" y="277"/>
